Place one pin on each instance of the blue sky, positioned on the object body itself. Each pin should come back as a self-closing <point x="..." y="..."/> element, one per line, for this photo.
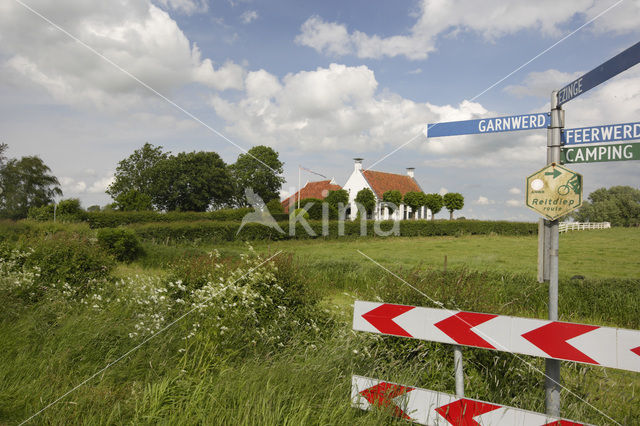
<point x="321" y="82"/>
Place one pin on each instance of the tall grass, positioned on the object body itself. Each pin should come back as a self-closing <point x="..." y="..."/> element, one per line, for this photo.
<point x="50" y="345"/>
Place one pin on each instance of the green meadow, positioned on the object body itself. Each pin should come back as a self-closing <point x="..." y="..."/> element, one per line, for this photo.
<point x="199" y="333"/>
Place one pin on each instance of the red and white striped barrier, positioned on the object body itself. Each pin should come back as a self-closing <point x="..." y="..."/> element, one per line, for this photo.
<point x="590" y="344"/>
<point x="429" y="407"/>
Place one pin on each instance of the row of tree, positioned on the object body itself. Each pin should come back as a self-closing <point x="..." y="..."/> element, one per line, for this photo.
<point x="434" y="202"/>
<point x="195" y="181"/>
<point x="365" y="197"/>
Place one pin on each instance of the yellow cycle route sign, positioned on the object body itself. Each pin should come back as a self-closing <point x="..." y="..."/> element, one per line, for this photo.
<point x="554" y="191"/>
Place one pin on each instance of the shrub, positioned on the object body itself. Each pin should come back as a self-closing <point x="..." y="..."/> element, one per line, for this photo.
<point x="66" y="211"/>
<point x="305" y="215"/>
<point x="274" y="206"/>
<point x="65" y="262"/>
<point x="237" y="307"/>
<point x="121" y="243"/>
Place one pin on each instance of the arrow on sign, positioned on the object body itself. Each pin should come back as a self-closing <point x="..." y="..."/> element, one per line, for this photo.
<point x="552" y="339"/>
<point x="459" y="326"/>
<point x="555" y="173"/>
<point x="462" y="411"/>
<point x="611" y="347"/>
<point x="382" y="395"/>
<point x="382" y="319"/>
<point x="428" y="407"/>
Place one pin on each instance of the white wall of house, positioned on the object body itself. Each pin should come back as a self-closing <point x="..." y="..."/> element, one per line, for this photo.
<point x="357" y="182"/>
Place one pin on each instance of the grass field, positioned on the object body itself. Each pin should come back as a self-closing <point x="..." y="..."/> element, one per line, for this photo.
<point x="289" y="372"/>
<point x="581" y="253"/>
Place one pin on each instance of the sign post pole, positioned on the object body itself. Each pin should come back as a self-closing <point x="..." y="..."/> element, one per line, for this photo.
<point x="552" y="373"/>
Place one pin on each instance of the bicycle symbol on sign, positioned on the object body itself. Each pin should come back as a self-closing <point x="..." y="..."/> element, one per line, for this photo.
<point x="573" y="184"/>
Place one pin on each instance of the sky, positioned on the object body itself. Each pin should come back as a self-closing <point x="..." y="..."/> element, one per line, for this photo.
<point x="84" y="84"/>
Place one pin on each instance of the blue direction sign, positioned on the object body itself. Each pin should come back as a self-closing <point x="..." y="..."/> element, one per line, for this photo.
<point x="600" y="74"/>
<point x="598" y="134"/>
<point x="489" y="125"/>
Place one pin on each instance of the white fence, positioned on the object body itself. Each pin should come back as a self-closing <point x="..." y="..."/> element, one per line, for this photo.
<point x="579" y="226"/>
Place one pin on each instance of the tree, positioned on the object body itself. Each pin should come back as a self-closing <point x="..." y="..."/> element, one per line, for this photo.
<point x="25" y="183"/>
<point x="453" y="201"/>
<point x="333" y="198"/>
<point x="259" y="169"/>
<point x="366" y="198"/>
<point x="393" y="196"/>
<point x="133" y="200"/>
<point x="315" y="210"/>
<point x="415" y="200"/>
<point x="193" y="181"/>
<point x="619" y="205"/>
<point x="136" y="172"/>
<point x="3" y="158"/>
<point x="434" y="202"/>
<point x="275" y="207"/>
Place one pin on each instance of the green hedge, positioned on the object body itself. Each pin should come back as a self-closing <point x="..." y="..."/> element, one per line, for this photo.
<point x="226" y="231"/>
<point x="112" y="219"/>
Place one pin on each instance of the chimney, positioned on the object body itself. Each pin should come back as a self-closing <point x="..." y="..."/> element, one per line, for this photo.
<point x="358" y="163"/>
<point x="410" y="171"/>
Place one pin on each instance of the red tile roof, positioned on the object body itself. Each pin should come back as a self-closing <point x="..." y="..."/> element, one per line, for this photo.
<point x="382" y="182"/>
<point x="319" y="190"/>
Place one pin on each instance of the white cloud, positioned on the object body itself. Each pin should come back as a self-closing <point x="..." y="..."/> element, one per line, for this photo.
<point x="136" y="35"/>
<point x="328" y="108"/>
<point x="415" y="71"/>
<point x="80" y="186"/>
<point x="285" y="194"/>
<point x="514" y="203"/>
<point x="615" y="101"/>
<point x="101" y="185"/>
<point x="515" y="191"/>
<point x="249" y="16"/>
<point x="188" y="7"/>
<point x="338" y="107"/>
<point x="325" y="37"/>
<point x="489" y="19"/>
<point x="483" y="201"/>
<point x="72" y="187"/>
<point x="443" y="191"/>
<point x="541" y="84"/>
<point x="620" y="20"/>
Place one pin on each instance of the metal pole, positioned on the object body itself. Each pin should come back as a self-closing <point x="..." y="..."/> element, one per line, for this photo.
<point x="552" y="379"/>
<point x="542" y="253"/>
<point x="459" y="371"/>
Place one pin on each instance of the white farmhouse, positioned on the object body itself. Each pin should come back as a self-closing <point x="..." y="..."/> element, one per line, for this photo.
<point x="379" y="183"/>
